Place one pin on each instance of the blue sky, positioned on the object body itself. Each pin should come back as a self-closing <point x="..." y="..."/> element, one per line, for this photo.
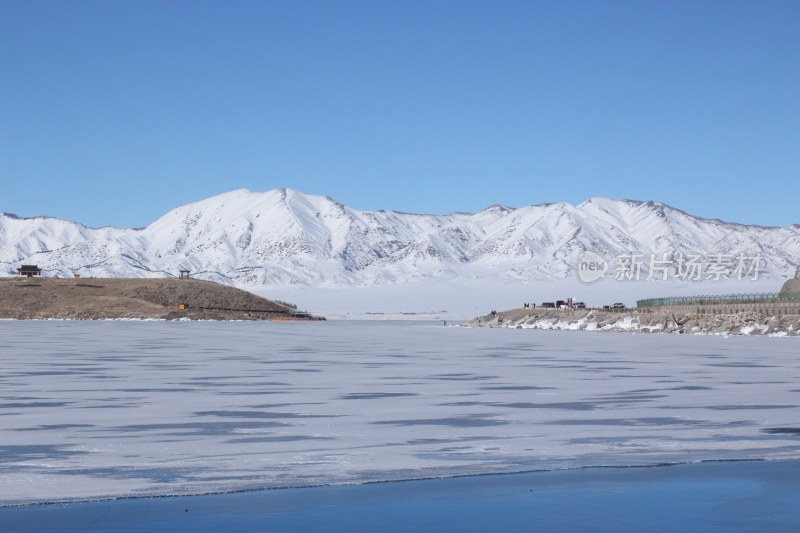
<point x="112" y="113"/>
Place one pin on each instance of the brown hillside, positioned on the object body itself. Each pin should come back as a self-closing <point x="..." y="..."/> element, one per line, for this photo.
<point x="101" y="298"/>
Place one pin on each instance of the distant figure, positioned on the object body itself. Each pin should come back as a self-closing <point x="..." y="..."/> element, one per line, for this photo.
<point x="526" y="306"/>
<point x="444" y="323"/>
<point x="493" y="313"/>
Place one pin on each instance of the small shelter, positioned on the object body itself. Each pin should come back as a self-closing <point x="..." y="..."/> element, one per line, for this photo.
<point x="29" y="270"/>
<point x="184" y="273"/>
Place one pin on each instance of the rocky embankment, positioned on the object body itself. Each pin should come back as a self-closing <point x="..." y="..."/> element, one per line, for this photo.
<point x="660" y="320"/>
<point x="165" y="298"/>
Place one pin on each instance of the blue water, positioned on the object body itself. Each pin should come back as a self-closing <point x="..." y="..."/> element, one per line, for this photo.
<point x="722" y="496"/>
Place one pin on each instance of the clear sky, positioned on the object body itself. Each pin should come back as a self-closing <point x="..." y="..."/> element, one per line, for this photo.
<point x="114" y="112"/>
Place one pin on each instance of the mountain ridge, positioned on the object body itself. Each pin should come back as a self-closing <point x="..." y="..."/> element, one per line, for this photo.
<point x="500" y="206"/>
<point x="284" y="237"/>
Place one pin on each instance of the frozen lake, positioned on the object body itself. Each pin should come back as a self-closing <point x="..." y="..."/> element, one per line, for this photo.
<point x="104" y="409"/>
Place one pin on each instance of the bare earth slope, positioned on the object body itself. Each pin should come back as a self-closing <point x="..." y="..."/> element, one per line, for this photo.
<point x="104" y="298"/>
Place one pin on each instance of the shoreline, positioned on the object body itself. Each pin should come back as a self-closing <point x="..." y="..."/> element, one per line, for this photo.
<point x="658" y="320"/>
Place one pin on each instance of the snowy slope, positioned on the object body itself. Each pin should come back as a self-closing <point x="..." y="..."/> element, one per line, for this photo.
<point x="285" y="238"/>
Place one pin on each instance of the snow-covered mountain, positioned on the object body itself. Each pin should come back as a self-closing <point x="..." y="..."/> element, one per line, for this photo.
<point x="283" y="237"/>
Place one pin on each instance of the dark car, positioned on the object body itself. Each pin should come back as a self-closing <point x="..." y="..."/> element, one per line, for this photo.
<point x="548" y="305"/>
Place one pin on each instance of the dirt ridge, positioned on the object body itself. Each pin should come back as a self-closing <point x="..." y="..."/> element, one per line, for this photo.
<point x="138" y="298"/>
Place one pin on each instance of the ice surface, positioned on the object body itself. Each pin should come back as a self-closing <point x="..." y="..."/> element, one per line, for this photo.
<point x="105" y="409"/>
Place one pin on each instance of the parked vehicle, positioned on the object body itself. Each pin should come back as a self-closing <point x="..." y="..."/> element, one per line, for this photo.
<point x="561" y="304"/>
<point x="579" y="305"/>
<point x="618" y="305"/>
<point x="548" y="305"/>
